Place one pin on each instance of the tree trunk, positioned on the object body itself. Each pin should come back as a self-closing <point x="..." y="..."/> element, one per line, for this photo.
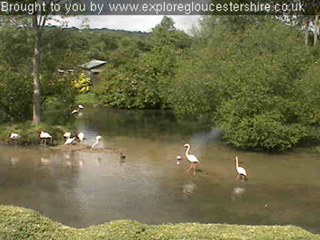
<point x="316" y="29"/>
<point x="306" y="32"/>
<point x="36" y="73"/>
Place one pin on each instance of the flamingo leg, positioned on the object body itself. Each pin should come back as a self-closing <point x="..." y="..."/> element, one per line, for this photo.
<point x="194" y="169"/>
<point x="189" y="168"/>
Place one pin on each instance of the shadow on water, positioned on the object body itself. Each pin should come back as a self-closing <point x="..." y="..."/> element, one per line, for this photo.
<point x="84" y="187"/>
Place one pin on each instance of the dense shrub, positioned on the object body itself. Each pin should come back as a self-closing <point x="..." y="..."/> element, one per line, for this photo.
<point x="15" y="97"/>
<point x="249" y="83"/>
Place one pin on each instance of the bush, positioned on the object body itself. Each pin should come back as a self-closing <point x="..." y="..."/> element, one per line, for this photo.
<point x="249" y="83"/>
<point x="59" y="94"/>
<point x="15" y="97"/>
<point x="82" y="83"/>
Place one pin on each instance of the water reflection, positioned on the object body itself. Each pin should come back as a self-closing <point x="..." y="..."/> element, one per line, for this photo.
<point x="238" y="192"/>
<point x="98" y="162"/>
<point x="45" y="161"/>
<point x="14" y="161"/>
<point x="188" y="189"/>
<point x="207" y="136"/>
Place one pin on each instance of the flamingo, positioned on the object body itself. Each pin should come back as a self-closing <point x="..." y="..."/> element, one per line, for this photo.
<point x="80" y="136"/>
<point x="67" y="135"/>
<point x="80" y="106"/>
<point x="242" y="174"/>
<point x="69" y="141"/>
<point x="191" y="158"/>
<point x="45" y="136"/>
<point x="14" y="136"/>
<point x="75" y="111"/>
<point x="96" y="142"/>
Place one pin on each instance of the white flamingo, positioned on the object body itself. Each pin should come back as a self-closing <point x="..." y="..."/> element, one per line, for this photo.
<point x="44" y="136"/>
<point x="80" y="106"/>
<point x="14" y="136"/>
<point x="81" y="136"/>
<point x="67" y="135"/>
<point x="191" y="158"/>
<point x="69" y="141"/>
<point x="96" y="142"/>
<point x="242" y="174"/>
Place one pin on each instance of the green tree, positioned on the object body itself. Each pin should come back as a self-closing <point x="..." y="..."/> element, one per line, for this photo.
<point x="248" y="82"/>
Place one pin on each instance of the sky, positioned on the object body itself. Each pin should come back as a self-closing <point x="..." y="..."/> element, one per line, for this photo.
<point x="134" y="23"/>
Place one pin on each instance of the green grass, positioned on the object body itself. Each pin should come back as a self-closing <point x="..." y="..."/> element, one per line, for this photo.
<point x="21" y="223"/>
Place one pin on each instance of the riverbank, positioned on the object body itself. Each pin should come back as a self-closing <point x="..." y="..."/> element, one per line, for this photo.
<point x="21" y="223"/>
<point x="30" y="135"/>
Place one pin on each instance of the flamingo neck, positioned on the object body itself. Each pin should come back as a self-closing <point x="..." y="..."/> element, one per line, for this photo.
<point x="187" y="151"/>
<point x="237" y="164"/>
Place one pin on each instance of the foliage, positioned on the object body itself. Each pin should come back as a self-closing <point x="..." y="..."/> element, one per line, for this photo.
<point x="143" y="80"/>
<point x="16" y="49"/>
<point x="88" y="98"/>
<point x="82" y="83"/>
<point x="62" y="49"/>
<point x="248" y="83"/>
<point x="165" y="34"/>
<point x="16" y="96"/>
<point x="191" y="95"/>
<point x="58" y="92"/>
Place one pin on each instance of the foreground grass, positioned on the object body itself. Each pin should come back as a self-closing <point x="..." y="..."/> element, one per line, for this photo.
<point x="20" y="223"/>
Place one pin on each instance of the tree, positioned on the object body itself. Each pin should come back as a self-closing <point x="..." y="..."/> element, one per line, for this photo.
<point x="37" y="22"/>
<point x="141" y="74"/>
<point x="248" y="83"/>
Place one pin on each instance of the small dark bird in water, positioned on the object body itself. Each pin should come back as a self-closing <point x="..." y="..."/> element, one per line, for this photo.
<point x="122" y="156"/>
<point x="122" y="159"/>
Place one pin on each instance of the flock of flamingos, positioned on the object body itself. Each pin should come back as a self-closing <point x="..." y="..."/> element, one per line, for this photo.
<point x="194" y="161"/>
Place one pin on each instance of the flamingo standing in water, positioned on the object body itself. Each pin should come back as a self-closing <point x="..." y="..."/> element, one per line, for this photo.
<point x="242" y="174"/>
<point x="191" y="158"/>
<point x="96" y="142"/>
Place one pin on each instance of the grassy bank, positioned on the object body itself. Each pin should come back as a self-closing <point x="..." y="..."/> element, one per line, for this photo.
<point x="20" y="223"/>
<point x="29" y="134"/>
